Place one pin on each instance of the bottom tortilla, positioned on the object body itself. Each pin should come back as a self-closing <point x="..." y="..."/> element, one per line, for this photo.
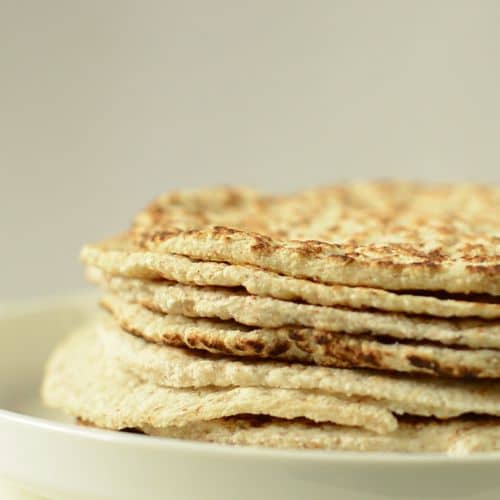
<point x="457" y="437"/>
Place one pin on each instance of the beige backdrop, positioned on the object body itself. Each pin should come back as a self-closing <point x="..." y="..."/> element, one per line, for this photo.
<point x="105" y="103"/>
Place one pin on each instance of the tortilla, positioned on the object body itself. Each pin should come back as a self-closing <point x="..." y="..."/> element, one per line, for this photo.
<point x="265" y="312"/>
<point x="456" y="437"/>
<point x="390" y="235"/>
<point x="304" y="345"/>
<point x="84" y="383"/>
<point x="119" y="256"/>
<point x="174" y="367"/>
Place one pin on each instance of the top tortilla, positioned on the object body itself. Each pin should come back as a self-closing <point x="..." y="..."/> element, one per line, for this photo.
<point x="390" y="235"/>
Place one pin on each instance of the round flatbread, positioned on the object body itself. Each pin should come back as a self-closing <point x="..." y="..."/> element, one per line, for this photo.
<point x="304" y="345"/>
<point x="121" y="257"/>
<point x="390" y="235"/>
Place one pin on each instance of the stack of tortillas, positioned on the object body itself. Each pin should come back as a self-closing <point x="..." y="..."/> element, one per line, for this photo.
<point x="354" y="317"/>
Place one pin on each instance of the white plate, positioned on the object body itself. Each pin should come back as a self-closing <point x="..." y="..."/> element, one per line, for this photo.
<point x="58" y="460"/>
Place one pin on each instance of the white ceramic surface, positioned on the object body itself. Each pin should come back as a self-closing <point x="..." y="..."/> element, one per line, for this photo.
<point x="54" y="459"/>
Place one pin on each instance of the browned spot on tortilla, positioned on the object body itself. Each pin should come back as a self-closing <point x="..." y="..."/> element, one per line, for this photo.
<point x="224" y="231"/>
<point x="296" y="335"/>
<point x="262" y="244"/>
<point x="371" y="359"/>
<point x="310" y="248"/>
<point x="254" y="345"/>
<point x="322" y="338"/>
<point x="280" y="348"/>
<point x="493" y="271"/>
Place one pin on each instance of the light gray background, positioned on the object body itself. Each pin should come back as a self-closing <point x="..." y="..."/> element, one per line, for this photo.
<point x="104" y="104"/>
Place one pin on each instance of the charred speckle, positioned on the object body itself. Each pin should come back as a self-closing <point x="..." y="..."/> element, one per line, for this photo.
<point x="427" y="263"/>
<point x="371" y="359"/>
<point x="310" y="248"/>
<point x="420" y="362"/>
<point x="296" y="335"/>
<point x="493" y="271"/>
<point x="213" y="344"/>
<point x="223" y="230"/>
<point x="255" y="345"/>
<point x="262" y="244"/>
<point x="323" y="338"/>
<point x="279" y="348"/>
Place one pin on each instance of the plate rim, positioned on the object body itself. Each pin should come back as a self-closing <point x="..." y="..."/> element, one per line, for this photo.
<point x="155" y="443"/>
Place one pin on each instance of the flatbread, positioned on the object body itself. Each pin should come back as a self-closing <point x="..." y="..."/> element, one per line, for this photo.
<point x="303" y="345"/>
<point x="391" y="235"/>
<point x="119" y="256"/>
<point x="173" y="367"/>
<point x="265" y="312"/>
<point x="460" y="437"/>
<point x="84" y="383"/>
